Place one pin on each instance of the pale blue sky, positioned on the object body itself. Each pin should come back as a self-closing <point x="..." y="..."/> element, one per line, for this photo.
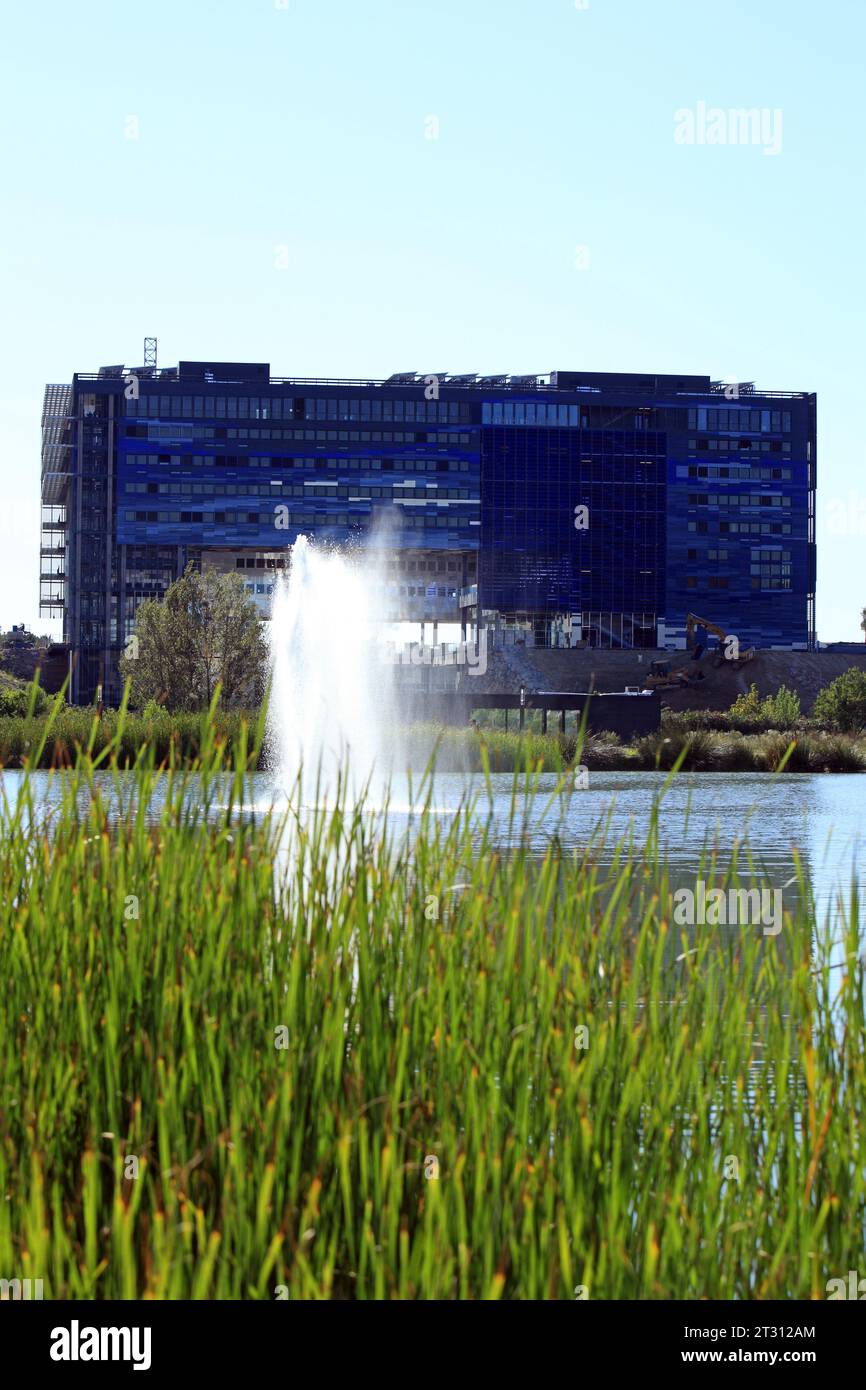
<point x="306" y="128"/>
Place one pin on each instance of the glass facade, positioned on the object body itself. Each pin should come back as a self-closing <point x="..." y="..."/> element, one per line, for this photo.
<point x="741" y="518"/>
<point x="324" y="465"/>
<point x="572" y="519"/>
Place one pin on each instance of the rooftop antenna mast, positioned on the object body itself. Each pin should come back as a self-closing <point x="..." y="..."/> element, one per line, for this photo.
<point x="150" y="353"/>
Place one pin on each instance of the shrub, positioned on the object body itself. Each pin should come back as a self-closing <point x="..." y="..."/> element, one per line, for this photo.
<point x="15" y="701"/>
<point x="781" y="710"/>
<point x="751" y="713"/>
<point x="747" y="707"/>
<point x="841" y="705"/>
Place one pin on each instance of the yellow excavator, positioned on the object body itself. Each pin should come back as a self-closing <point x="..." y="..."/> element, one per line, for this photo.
<point x="698" y="645"/>
<point x="664" y="676"/>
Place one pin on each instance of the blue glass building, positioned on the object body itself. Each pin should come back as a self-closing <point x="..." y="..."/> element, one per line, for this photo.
<point x="567" y="508"/>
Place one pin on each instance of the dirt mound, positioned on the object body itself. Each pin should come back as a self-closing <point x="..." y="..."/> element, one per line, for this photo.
<point x="23" y="662"/>
<point x="610" y="671"/>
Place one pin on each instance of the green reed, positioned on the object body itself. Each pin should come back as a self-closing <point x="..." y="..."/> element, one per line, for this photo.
<point x="347" y="1055"/>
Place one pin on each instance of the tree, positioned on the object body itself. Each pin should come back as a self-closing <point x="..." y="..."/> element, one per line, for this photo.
<point x="863" y="622"/>
<point x="205" y="631"/>
<point x="842" y="704"/>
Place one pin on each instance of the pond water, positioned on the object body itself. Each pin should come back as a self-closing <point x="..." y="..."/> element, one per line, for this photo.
<point x="816" y="817"/>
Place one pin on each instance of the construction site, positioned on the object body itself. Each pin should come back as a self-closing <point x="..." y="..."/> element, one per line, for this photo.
<point x="709" y="674"/>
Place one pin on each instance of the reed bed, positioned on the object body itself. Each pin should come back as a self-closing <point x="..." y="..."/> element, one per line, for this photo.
<point x="179" y="738"/>
<point x="60" y="735"/>
<point x="693" y="748"/>
<point x="310" y="1054"/>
